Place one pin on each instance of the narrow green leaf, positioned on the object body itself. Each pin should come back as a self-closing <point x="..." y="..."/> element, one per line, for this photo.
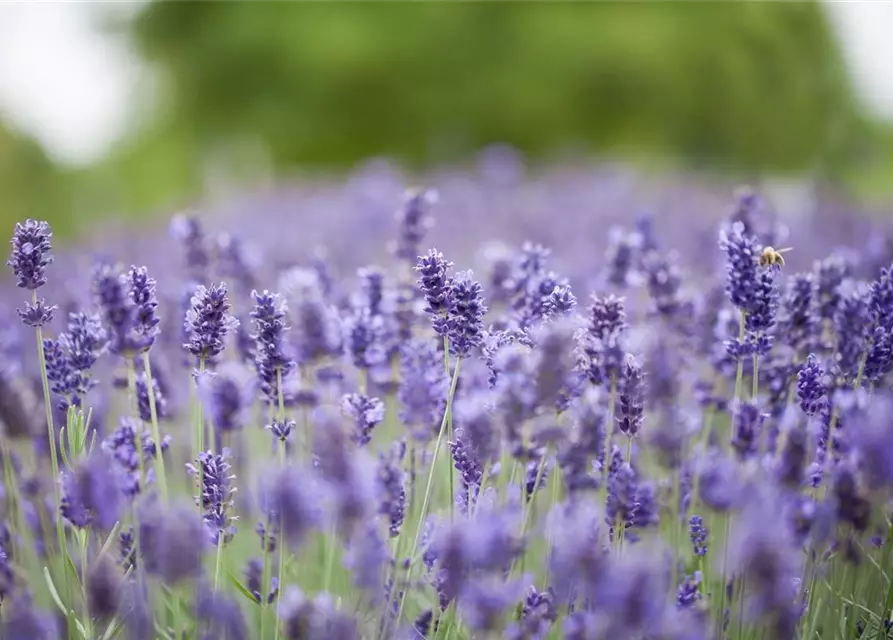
<point x="84" y="634"/>
<point x="53" y="592"/>
<point x="163" y="632"/>
<point x="112" y="630"/>
<point x="108" y="541"/>
<point x="62" y="448"/>
<point x="242" y="588"/>
<point x="69" y="564"/>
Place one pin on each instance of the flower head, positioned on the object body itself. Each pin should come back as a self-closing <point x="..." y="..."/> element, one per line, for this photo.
<point x="465" y="317"/>
<point x="31" y="253"/>
<point x="216" y="488"/>
<point x="270" y="348"/>
<point x="208" y="322"/>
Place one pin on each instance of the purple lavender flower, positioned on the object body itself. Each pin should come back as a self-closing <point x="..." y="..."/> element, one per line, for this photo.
<point x="142" y="293"/>
<point x="7" y="577"/>
<point x="281" y="430"/>
<point x="118" y="309"/>
<point x="688" y="593"/>
<point x="234" y="262"/>
<point x="632" y="394"/>
<point x="103" y="588"/>
<point x="304" y="618"/>
<point x="70" y="358"/>
<point x="216" y="493"/>
<point x="423" y="388"/>
<point x="881" y="291"/>
<point x="172" y="541"/>
<point x="664" y="282"/>
<point x="227" y="396"/>
<point x="219" y="614"/>
<point x="879" y="359"/>
<point x="586" y="449"/>
<point x="90" y="494"/>
<point x="698" y="532"/>
<point x="348" y="472"/>
<point x="850" y="506"/>
<point x="465" y="316"/>
<point x="473" y="414"/>
<point x="799" y="326"/>
<point x="414" y="220"/>
<point x="830" y="274"/>
<point x="288" y="497"/>
<point x="484" y="602"/>
<point x="435" y="286"/>
<point x="561" y="302"/>
<point x="121" y="445"/>
<point x="270" y="357"/>
<point x="366" y="557"/>
<point x="364" y="413"/>
<point x="23" y="622"/>
<point x="253" y="573"/>
<point x="747" y="428"/>
<point x="742" y="259"/>
<point x="851" y="325"/>
<point x="316" y="328"/>
<point x="142" y="397"/>
<point x="620" y="257"/>
<point x="37" y="314"/>
<point x="811" y="388"/>
<point x="794" y="457"/>
<point x="208" y="322"/>
<point x="538" y="613"/>
<point x="579" y="550"/>
<point x="363" y="333"/>
<point x="470" y="470"/>
<point x="391" y="482"/>
<point x="761" y="316"/>
<point x="31" y="253"/>
<point x="196" y="252"/>
<point x="601" y="355"/>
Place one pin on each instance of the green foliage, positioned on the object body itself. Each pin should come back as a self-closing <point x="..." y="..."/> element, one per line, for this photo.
<point x="30" y="185"/>
<point x="748" y="86"/>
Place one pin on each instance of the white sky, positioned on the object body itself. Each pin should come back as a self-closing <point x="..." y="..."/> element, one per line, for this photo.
<point x="74" y="87"/>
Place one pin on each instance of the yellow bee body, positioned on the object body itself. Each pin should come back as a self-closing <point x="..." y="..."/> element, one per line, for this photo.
<point x="772" y="257"/>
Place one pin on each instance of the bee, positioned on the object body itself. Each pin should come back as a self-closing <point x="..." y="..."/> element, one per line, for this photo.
<point x="772" y="257"/>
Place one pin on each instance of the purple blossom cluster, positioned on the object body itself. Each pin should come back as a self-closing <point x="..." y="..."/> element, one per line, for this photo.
<point x="636" y="433"/>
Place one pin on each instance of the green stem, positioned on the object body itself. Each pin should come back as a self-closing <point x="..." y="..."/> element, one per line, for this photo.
<point x="160" y="476"/>
<point x="528" y="512"/>
<point x="199" y="432"/>
<point x="446" y="369"/>
<point x="218" y="561"/>
<point x="281" y="567"/>
<point x="427" y="497"/>
<point x="54" y="460"/>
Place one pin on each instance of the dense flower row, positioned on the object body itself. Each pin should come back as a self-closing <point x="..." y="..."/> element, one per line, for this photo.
<point x="435" y="453"/>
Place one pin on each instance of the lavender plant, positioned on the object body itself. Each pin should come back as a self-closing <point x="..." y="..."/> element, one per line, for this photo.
<point x="478" y="457"/>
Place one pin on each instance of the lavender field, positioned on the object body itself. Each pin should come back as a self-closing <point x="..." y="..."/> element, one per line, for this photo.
<point x="574" y="403"/>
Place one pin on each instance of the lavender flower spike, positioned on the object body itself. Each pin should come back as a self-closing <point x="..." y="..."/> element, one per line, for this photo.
<point x="217" y="490"/>
<point x="31" y="253"/>
<point x="208" y="322"/>
<point x="465" y="317"/>
<point x="30" y="256"/>
<point x="435" y="286"/>
<point x="272" y="362"/>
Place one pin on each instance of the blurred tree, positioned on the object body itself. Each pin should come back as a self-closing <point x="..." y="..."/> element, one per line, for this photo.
<point x="30" y="185"/>
<point x="749" y="86"/>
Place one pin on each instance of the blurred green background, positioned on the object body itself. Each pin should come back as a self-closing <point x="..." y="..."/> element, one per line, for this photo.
<point x="261" y="90"/>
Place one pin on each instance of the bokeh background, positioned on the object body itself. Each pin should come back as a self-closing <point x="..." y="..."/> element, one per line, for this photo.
<point x="133" y="111"/>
